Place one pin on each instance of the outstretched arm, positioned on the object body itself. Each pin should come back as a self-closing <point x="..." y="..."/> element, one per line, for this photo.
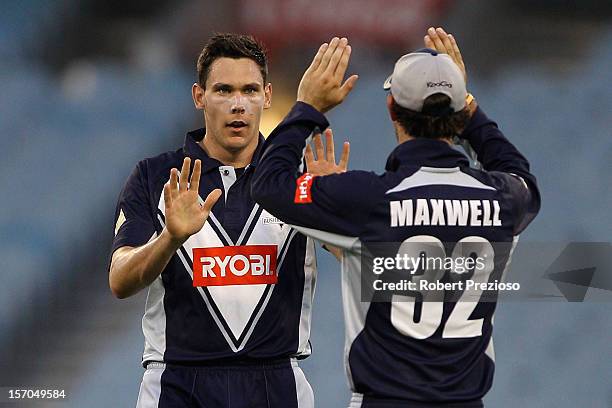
<point x="493" y="150"/>
<point x="325" y="164"/>
<point x="333" y="203"/>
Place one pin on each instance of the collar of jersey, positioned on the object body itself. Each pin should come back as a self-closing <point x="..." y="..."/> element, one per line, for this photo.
<point x="425" y="152"/>
<point x="192" y="149"/>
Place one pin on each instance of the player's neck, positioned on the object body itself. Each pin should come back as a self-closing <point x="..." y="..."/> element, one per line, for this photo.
<point x="235" y="158"/>
<point x="403" y="136"/>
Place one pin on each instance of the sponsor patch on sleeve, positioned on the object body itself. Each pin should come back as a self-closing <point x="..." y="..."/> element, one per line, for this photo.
<point x="303" y="194"/>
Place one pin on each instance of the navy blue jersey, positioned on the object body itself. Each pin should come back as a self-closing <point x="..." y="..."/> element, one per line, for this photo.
<point x="239" y="289"/>
<point x="427" y="194"/>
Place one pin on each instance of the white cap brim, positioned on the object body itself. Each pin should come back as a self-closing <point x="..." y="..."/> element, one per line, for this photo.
<point x="387" y="84"/>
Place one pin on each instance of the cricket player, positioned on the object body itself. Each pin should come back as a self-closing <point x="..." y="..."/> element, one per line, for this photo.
<point x="406" y="351"/>
<point x="229" y="286"/>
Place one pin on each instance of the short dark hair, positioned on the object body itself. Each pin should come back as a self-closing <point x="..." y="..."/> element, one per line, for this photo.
<point x="435" y="121"/>
<point x="231" y="45"/>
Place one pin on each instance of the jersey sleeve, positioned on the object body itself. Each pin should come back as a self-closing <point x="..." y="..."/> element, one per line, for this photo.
<point x="133" y="219"/>
<point x="505" y="163"/>
<point x="337" y="203"/>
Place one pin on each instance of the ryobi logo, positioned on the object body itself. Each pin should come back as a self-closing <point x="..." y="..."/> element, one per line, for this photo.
<point x="234" y="265"/>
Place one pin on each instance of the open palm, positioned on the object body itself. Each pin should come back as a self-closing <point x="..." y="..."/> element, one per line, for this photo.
<point x="325" y="162"/>
<point x="185" y="214"/>
<point x="439" y="40"/>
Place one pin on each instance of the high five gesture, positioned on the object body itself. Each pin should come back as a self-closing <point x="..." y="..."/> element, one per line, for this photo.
<point x="185" y="215"/>
<point x="322" y="85"/>
<point x="325" y="161"/>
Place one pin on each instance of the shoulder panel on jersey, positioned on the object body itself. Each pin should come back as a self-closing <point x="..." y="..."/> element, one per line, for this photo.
<point x="525" y="200"/>
<point x="154" y="322"/>
<point x="426" y="176"/>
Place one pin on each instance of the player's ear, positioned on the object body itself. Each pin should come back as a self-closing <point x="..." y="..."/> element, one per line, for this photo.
<point x="197" y="93"/>
<point x="267" y="95"/>
<point x="390" y="107"/>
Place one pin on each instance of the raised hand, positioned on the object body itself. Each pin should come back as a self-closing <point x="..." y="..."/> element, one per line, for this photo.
<point x="325" y="162"/>
<point x="184" y="214"/>
<point x="322" y="84"/>
<point x="437" y="39"/>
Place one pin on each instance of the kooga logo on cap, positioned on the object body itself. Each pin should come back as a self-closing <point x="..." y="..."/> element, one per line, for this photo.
<point x="437" y="84"/>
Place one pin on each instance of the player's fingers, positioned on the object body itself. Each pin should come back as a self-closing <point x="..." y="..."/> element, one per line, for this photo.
<point x="184" y="177"/>
<point x="167" y="196"/>
<point x="327" y="54"/>
<point x="343" y="63"/>
<point x="348" y="85"/>
<point x="438" y="46"/>
<point x="459" y="58"/>
<point x="448" y="46"/>
<point x="174" y="183"/>
<point x="194" y="184"/>
<point x="316" y="61"/>
<point x="336" y="57"/>
<point x="346" y="151"/>
<point x="308" y="155"/>
<point x="428" y="42"/>
<point x="318" y="144"/>
<point x="456" y="50"/>
<point x="329" y="146"/>
<point x="210" y="201"/>
<point x="455" y="46"/>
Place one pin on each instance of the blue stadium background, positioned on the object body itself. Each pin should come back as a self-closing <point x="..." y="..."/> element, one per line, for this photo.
<point x="88" y="88"/>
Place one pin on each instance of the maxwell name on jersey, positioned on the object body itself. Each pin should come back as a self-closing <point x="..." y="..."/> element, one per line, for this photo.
<point x="431" y="211"/>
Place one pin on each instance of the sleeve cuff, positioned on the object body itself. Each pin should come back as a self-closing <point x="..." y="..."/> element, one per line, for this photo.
<point x="311" y="112"/>
<point x="305" y="115"/>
